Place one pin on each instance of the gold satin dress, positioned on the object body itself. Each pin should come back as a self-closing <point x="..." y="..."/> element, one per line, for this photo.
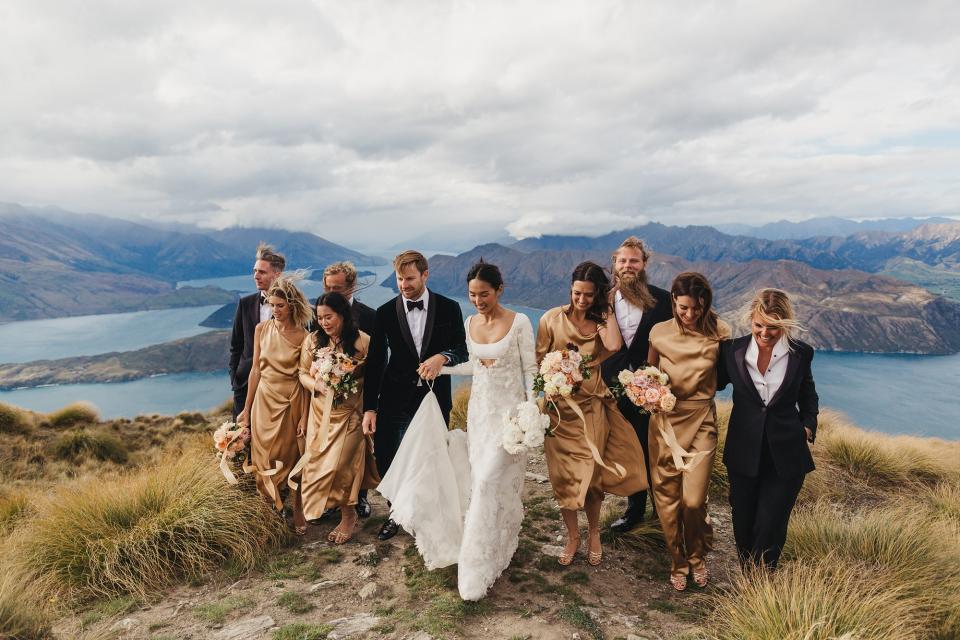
<point x="573" y="470"/>
<point x="340" y="458"/>
<point x="277" y="408"/>
<point x="690" y="359"/>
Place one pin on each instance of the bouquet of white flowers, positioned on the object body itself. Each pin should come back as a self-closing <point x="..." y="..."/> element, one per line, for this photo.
<point x="334" y="373"/>
<point x="524" y="428"/>
<point x="561" y="373"/>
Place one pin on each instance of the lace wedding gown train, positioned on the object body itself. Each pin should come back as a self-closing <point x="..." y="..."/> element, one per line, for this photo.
<point x="489" y="526"/>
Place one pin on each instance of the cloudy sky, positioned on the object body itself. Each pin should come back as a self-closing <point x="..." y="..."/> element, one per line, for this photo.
<point x="374" y="122"/>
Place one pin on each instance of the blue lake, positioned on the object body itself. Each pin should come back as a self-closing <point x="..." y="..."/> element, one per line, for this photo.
<point x="890" y="393"/>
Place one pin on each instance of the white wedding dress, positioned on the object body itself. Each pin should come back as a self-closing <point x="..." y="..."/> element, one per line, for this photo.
<point x="429" y="478"/>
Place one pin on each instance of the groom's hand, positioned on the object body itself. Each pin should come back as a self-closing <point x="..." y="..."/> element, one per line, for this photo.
<point x="369" y="423"/>
<point x="430" y="368"/>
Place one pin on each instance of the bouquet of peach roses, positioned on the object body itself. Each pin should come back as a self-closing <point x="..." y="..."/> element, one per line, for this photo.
<point x="334" y="373"/>
<point x="647" y="388"/>
<point x="230" y="441"/>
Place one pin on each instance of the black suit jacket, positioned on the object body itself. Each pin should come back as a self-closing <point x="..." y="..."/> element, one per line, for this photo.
<point x="241" y="340"/>
<point x="793" y="407"/>
<point x="634" y="355"/>
<point x="363" y="316"/>
<point x="390" y="385"/>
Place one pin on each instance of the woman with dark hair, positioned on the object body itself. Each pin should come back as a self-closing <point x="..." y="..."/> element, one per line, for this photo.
<point x="682" y="442"/>
<point x="594" y="450"/>
<point x="774" y="417"/>
<point x="338" y="459"/>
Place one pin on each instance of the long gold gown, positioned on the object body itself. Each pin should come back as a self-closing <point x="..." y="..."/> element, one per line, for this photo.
<point x="572" y="467"/>
<point x="690" y="360"/>
<point x="340" y="458"/>
<point x="277" y="408"/>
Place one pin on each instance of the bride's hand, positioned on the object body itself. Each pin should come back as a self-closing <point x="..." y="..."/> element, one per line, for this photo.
<point x="242" y="418"/>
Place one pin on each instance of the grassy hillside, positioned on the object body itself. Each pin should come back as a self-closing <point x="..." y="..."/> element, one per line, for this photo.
<point x="124" y="528"/>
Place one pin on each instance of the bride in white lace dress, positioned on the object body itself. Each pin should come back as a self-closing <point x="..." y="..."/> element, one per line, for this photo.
<point x="503" y="364"/>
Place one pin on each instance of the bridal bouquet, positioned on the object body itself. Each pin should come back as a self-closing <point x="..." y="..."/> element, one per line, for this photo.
<point x="333" y="370"/>
<point x="229" y="440"/>
<point x="561" y="373"/>
<point x="646" y="388"/>
<point x="525" y="428"/>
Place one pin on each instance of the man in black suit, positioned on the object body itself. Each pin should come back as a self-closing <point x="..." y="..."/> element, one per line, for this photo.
<point x="251" y="311"/>
<point x="422" y="331"/>
<point x="341" y="277"/>
<point x="637" y="306"/>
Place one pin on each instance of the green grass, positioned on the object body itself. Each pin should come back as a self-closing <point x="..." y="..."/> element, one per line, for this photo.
<point x="302" y="632"/>
<point x="74" y="445"/>
<point x="294" y="602"/>
<point x="107" y="609"/>
<point x="14" y="420"/>
<point x="572" y="613"/>
<point x="143" y="532"/>
<point x="576" y="577"/>
<point x="74" y="414"/>
<point x="217" y="612"/>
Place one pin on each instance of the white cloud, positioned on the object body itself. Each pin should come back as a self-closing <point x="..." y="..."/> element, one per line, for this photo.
<point x="381" y="120"/>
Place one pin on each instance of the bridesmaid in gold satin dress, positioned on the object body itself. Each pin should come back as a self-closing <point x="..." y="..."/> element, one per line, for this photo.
<point x="686" y="348"/>
<point x="579" y="478"/>
<point x="338" y="461"/>
<point x="275" y="399"/>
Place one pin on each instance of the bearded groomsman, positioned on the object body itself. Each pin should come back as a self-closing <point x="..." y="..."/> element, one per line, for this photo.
<point x="251" y="311"/>
<point x="637" y="306"/>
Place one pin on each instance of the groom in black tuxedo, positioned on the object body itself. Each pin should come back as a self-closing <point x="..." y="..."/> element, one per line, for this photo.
<point x="251" y="311"/>
<point x="637" y="306"/>
<point x="423" y="331"/>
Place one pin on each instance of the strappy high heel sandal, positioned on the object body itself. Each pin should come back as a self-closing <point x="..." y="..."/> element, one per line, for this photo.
<point x="595" y="557"/>
<point x="565" y="559"/>
<point x="701" y="576"/>
<point x="679" y="583"/>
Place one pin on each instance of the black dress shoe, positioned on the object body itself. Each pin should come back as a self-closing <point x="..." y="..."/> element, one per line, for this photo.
<point x="388" y="530"/>
<point x="329" y="513"/>
<point x="626" y="523"/>
<point x="363" y="507"/>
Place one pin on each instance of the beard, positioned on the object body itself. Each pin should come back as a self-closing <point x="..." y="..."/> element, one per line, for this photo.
<point x="634" y="288"/>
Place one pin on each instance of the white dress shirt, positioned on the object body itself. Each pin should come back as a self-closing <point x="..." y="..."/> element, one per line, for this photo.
<point x="417" y="319"/>
<point x="769" y="382"/>
<point x="628" y="317"/>
<point x="266" y="311"/>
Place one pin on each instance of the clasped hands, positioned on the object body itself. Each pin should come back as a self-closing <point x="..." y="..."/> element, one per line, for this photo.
<point x="429" y="369"/>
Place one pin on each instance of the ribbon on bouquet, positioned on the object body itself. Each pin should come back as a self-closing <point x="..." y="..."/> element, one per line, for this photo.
<point x="225" y="461"/>
<point x="268" y="485"/>
<point x="311" y="446"/>
<point x="617" y="469"/>
<point x="683" y="460"/>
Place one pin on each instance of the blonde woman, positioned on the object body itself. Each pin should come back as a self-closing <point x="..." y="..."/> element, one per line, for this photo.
<point x="775" y="407"/>
<point x="682" y="442"/>
<point x="275" y="398"/>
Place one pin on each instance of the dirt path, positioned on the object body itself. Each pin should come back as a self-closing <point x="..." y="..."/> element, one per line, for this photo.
<point x="380" y="590"/>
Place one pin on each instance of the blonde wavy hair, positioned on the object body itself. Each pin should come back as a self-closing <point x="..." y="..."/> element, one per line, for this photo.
<point x="774" y="309"/>
<point x="285" y="288"/>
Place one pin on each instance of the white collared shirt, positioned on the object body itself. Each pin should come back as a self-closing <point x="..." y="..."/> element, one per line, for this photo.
<point x="628" y="317"/>
<point x="417" y="319"/>
<point x="266" y="311"/>
<point x="768" y="383"/>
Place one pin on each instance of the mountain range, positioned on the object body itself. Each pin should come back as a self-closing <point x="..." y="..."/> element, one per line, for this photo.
<point x="56" y="263"/>
<point x="826" y="226"/>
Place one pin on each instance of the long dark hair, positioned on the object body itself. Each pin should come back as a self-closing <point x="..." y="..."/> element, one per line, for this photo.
<point x="592" y="272"/>
<point x="695" y="285"/>
<point x="349" y="333"/>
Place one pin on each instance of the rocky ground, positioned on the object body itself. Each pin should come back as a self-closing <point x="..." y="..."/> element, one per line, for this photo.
<point x="369" y="589"/>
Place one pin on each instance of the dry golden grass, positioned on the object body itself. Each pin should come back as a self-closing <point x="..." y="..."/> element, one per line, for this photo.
<point x="458" y="414"/>
<point x="22" y="614"/>
<point x="14" y="420"/>
<point x="14" y="506"/>
<point x="943" y="500"/>
<point x="74" y="414"/>
<point x="144" y="531"/>
<point x="74" y="445"/>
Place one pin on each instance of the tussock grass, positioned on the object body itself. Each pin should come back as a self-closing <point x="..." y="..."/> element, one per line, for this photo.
<point x="944" y="501"/>
<point x="74" y="445"/>
<point x="896" y="548"/>
<point x="719" y="481"/>
<point x="14" y="505"/>
<point x="458" y="413"/>
<point x="143" y="532"/>
<point x="74" y="414"/>
<point x="22" y="615"/>
<point x="823" y="600"/>
<point x="647" y="536"/>
<point x="15" y="420"/>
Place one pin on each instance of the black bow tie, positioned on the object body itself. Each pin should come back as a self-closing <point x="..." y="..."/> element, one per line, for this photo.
<point x="263" y="298"/>
<point x="414" y="304"/>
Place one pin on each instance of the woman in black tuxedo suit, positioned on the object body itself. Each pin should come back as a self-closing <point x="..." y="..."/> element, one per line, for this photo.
<point x="774" y="417"/>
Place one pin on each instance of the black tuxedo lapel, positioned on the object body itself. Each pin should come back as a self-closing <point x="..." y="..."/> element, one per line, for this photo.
<point x="740" y="357"/>
<point x="255" y="310"/>
<point x="428" y="327"/>
<point x="405" y="326"/>
<point x="793" y="364"/>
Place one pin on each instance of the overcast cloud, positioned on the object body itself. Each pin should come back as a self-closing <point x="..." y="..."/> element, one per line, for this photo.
<point x="372" y="122"/>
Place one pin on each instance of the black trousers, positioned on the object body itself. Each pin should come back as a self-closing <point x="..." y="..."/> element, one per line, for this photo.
<point x="391" y="428"/>
<point x="239" y="399"/>
<point x="637" y="503"/>
<point x="761" y="511"/>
